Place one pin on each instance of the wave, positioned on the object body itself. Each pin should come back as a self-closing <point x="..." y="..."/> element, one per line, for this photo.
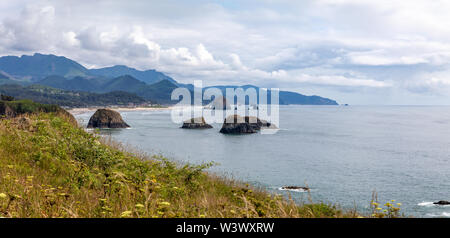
<point x="426" y="204"/>
<point x="431" y="204"/>
<point x="444" y="214"/>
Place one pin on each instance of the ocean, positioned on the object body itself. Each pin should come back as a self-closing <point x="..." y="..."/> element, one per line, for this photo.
<point x="343" y="153"/>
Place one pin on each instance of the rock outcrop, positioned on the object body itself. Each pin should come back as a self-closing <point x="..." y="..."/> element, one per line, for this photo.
<point x="442" y="203"/>
<point x="196" y="123"/>
<point x="295" y="188"/>
<point x="244" y="125"/>
<point x="107" y="118"/>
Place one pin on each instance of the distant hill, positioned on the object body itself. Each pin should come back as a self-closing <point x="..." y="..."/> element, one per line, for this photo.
<point x="147" y="76"/>
<point x="38" y="66"/>
<point x="285" y="97"/>
<point x="126" y="83"/>
<point x="48" y="95"/>
<point x="66" y="74"/>
<point x="158" y="92"/>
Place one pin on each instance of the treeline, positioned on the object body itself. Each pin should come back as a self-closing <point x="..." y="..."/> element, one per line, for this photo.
<point x="48" y="95"/>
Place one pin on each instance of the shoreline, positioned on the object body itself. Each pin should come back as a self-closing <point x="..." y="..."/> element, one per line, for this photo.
<point x="81" y="110"/>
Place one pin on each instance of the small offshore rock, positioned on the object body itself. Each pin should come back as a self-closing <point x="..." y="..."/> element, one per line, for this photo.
<point x="196" y="123"/>
<point x="442" y="203"/>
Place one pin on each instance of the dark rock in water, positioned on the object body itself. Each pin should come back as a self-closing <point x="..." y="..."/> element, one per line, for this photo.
<point x="442" y="203"/>
<point x="196" y="123"/>
<point x="295" y="188"/>
<point x="240" y="125"/>
<point x="107" y="118"/>
<point x="244" y="125"/>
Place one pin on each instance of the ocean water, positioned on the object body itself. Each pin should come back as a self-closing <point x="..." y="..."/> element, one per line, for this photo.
<point x="343" y="154"/>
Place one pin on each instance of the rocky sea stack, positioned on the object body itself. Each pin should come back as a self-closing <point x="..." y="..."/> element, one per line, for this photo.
<point x="107" y="118"/>
<point x="196" y="123"/>
<point x="244" y="125"/>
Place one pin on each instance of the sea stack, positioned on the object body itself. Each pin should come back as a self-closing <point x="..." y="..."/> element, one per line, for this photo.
<point x="107" y="118"/>
<point x="236" y="124"/>
<point x="196" y="123"/>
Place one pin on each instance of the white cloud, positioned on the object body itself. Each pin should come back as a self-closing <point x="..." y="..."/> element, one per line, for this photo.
<point x="332" y="44"/>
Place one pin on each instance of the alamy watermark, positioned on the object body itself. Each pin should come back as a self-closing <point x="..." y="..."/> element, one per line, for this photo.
<point x="248" y="104"/>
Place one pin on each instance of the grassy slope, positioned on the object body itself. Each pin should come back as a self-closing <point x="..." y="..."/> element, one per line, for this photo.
<point x="51" y="168"/>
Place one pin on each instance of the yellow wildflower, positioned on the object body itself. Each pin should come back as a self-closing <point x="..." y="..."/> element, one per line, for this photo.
<point x="2" y="195"/>
<point x="126" y="214"/>
<point x="164" y="203"/>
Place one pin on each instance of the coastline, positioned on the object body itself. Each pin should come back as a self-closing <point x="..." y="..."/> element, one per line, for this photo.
<point x="81" y="110"/>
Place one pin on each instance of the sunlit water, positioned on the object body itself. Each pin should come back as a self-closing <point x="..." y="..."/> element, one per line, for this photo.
<point x="342" y="153"/>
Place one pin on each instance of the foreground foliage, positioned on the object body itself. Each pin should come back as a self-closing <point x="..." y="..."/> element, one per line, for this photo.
<point x="51" y="168"/>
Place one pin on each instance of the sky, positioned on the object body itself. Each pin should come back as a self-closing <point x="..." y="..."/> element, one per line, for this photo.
<point x="353" y="51"/>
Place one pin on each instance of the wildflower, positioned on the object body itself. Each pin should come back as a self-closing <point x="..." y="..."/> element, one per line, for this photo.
<point x="375" y="204"/>
<point x="384" y="210"/>
<point x="392" y="200"/>
<point x="202" y="216"/>
<point x="2" y="195"/>
<point x="164" y="203"/>
<point x="378" y="208"/>
<point x="175" y="187"/>
<point x="139" y="206"/>
<point x="233" y="211"/>
<point x="126" y="214"/>
<point x="10" y="166"/>
<point x="399" y="204"/>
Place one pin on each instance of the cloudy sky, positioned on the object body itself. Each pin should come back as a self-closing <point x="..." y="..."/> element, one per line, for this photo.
<point x="353" y="51"/>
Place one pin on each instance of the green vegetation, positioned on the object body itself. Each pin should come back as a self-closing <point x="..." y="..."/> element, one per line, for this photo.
<point x="49" y="167"/>
<point x="43" y="94"/>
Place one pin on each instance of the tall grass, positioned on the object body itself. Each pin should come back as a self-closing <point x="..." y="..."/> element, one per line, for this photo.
<point x="51" y="168"/>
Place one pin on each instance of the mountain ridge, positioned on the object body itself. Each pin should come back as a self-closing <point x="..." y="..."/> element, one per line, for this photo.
<point x="63" y="73"/>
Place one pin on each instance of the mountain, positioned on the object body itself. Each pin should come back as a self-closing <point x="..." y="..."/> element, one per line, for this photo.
<point x="148" y="76"/>
<point x="125" y="83"/>
<point x="285" y="97"/>
<point x="5" y="78"/>
<point x="38" y="66"/>
<point x="48" y="95"/>
<point x="87" y="84"/>
<point x="158" y="92"/>
<point x="66" y="74"/>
